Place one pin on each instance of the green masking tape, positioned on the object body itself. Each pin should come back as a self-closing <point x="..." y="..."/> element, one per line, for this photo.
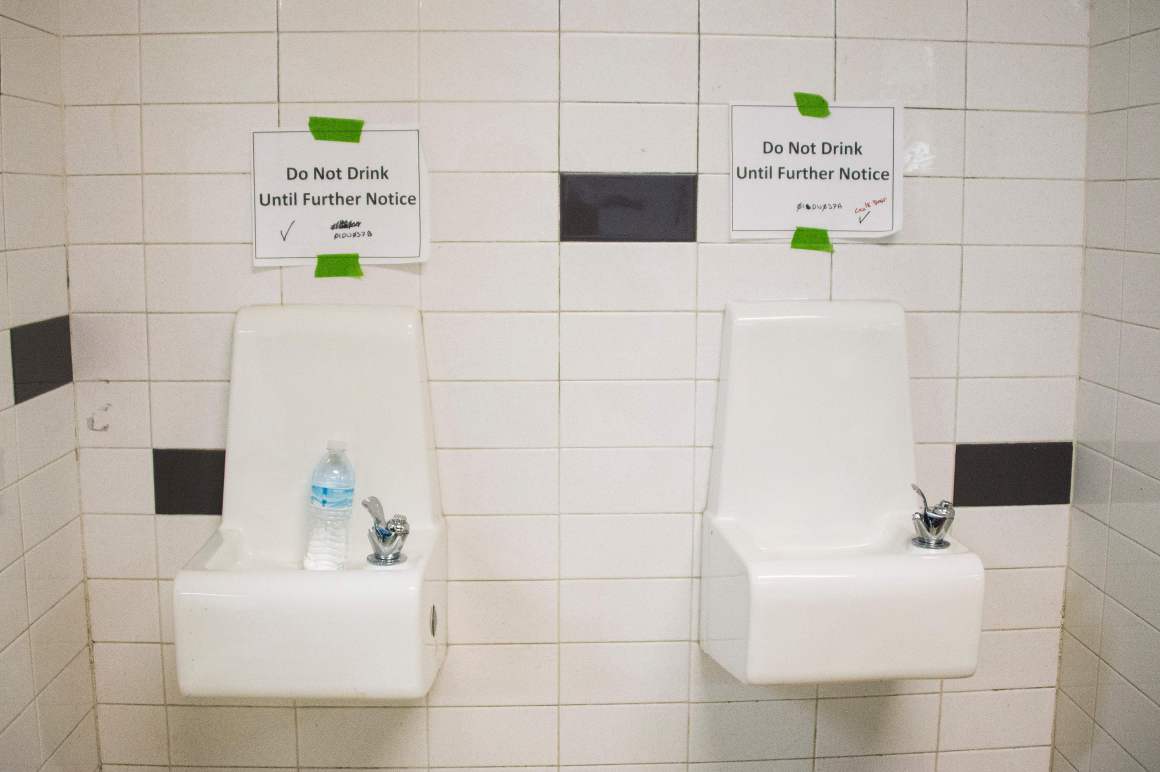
<point x="809" y="105"/>
<point x="337" y="265"/>
<point x="336" y="129"/>
<point x="817" y="239"/>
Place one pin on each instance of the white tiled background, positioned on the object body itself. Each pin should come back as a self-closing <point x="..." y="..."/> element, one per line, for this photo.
<point x="47" y="716"/>
<point x="573" y="384"/>
<point x="1108" y="709"/>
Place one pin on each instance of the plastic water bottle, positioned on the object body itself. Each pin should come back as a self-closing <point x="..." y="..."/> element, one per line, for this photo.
<point x="331" y="499"/>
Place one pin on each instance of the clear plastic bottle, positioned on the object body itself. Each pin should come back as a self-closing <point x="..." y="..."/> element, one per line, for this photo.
<point x="331" y="499"/>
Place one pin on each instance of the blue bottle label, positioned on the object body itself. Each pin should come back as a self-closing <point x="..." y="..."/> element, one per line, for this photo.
<point x="331" y="498"/>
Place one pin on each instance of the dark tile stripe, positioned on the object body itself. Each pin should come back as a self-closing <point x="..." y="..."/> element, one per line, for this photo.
<point x="1012" y="474"/>
<point x="41" y="357"/>
<point x="628" y="207"/>
<point x="188" y="482"/>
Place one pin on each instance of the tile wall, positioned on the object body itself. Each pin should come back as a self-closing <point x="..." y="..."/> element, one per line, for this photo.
<point x="1108" y="709"/>
<point x="47" y="716"/>
<point x="573" y="380"/>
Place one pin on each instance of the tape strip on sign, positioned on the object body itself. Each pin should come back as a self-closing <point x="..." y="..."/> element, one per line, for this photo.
<point x="817" y="239"/>
<point x="337" y="265"/>
<point x="336" y="129"/>
<point x="809" y="105"/>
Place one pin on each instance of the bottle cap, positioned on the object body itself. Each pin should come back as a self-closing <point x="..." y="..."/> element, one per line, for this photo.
<point x="336" y="445"/>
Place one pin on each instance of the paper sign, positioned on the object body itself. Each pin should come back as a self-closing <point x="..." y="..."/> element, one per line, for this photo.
<point x="840" y="173"/>
<point x="365" y="198"/>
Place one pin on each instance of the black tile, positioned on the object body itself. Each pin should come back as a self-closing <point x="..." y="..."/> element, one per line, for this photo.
<point x="1012" y="474"/>
<point x="41" y="357"/>
<point x="628" y="207"/>
<point x="188" y="482"/>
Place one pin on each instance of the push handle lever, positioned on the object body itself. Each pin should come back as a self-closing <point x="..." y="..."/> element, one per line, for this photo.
<point x="386" y="536"/>
<point x="931" y="525"/>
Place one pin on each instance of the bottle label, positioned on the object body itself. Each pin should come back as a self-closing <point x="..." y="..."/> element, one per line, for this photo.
<point x="331" y="498"/>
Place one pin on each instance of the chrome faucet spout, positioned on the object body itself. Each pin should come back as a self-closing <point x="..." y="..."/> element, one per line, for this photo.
<point x="932" y="524"/>
<point x="387" y="537"/>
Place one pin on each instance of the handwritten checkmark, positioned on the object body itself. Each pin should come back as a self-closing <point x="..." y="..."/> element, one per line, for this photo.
<point x="860" y="219"/>
<point x="287" y="231"/>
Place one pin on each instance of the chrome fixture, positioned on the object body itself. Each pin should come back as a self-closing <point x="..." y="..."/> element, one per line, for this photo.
<point x="932" y="525"/>
<point x="386" y="536"/>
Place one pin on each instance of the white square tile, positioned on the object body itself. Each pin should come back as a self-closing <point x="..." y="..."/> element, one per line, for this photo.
<point x="1135" y="502"/>
<point x="871" y="725"/>
<point x="104" y="209"/>
<point x="46" y="428"/>
<point x="608" y="480"/>
<point x="1142" y="197"/>
<point x="738" y="731"/>
<point x="739" y="272"/>
<point x="623" y="734"/>
<point x="109" y="347"/>
<point x="188" y="414"/>
<point x="932" y="407"/>
<point x="103" y="140"/>
<point x="116" y="481"/>
<point x="190" y="347"/>
<point x="198" y="208"/>
<point x="1095" y="416"/>
<point x="492" y="277"/>
<point x="79" y="749"/>
<point x="110" y="17"/>
<point x="1012" y="659"/>
<point x="231" y="736"/>
<point x="491" y="346"/>
<point x="934" y="212"/>
<point x="333" y="66"/>
<point x="501" y="612"/>
<point x="997" y="278"/>
<point x="493" y="736"/>
<point x="1052" y="77"/>
<point x="53" y="568"/>
<point x="523" y="674"/>
<point x="934" y="142"/>
<point x="489" y="137"/>
<point x="1021" y="598"/>
<point x="629" y="15"/>
<point x="49" y="499"/>
<point x="1092" y="483"/>
<point x="1106" y="150"/>
<point x="1015" y="537"/>
<point x="133" y="734"/>
<point x="1015" y="410"/>
<point x="32" y="62"/>
<point x="598" y="610"/>
<point x="106" y="278"/>
<point x="1087" y="551"/>
<point x="100" y="70"/>
<point x="1009" y="144"/>
<point x="485" y="482"/>
<point x="206" y="278"/>
<point x="200" y="138"/>
<point x="34" y="211"/>
<point x="16" y="679"/>
<point x="1141" y="280"/>
<point x="1104" y="208"/>
<point x="382" y="284"/>
<point x="919" y="278"/>
<point x="627" y="276"/>
<point x="124" y="610"/>
<point x="506" y="15"/>
<point x="651" y="546"/>
<point x="622" y="138"/>
<point x="58" y="636"/>
<point x="489" y="66"/>
<point x="531" y="553"/>
<point x="32" y="136"/>
<point x="179" y="538"/>
<point x="11" y="543"/>
<point x="1099" y="350"/>
<point x="1040" y="212"/>
<point x="394" y="737"/>
<point x="495" y="415"/>
<point x="1132" y="571"/>
<point x="1072" y="735"/>
<point x="120" y="547"/>
<point x="20" y="740"/>
<point x="919" y="73"/>
<point x="318" y="15"/>
<point x="626" y="413"/>
<point x="1143" y="16"/>
<point x="604" y="67"/>
<point x="1127" y="716"/>
<point x="996" y="719"/>
<point x="1143" y="144"/>
<point x="1108" y="76"/>
<point x="1144" y="69"/>
<point x="1138" y="434"/>
<point x="1077" y="672"/>
<point x="1012" y="345"/>
<point x="613" y="345"/>
<point x="1129" y="644"/>
<point x="623" y="672"/>
<point x="128" y="673"/>
<point x="37" y="285"/>
<point x="1011" y="21"/>
<point x="743" y="69"/>
<point x="1109" y="20"/>
<point x="46" y="16"/>
<point x="939" y="20"/>
<point x="496" y="207"/>
<point x="207" y="16"/>
<point x="209" y="68"/>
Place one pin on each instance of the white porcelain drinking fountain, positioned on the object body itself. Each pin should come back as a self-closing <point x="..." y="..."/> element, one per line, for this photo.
<point x="249" y="621"/>
<point x="811" y="571"/>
